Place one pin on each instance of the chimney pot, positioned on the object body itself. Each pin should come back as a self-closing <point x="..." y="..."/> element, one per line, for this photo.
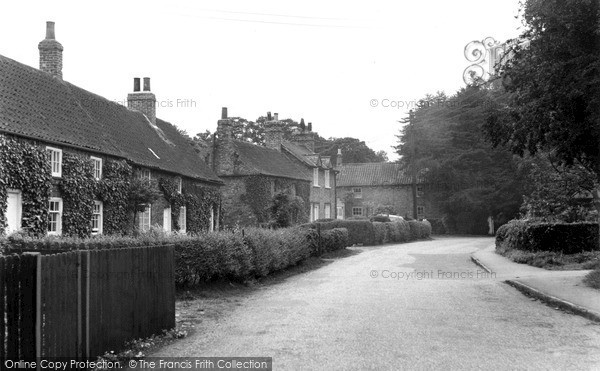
<point x="276" y="116"/>
<point x="144" y="102"/>
<point x="146" y="84"/>
<point x="269" y="118"/>
<point x="338" y="158"/>
<point x="50" y="30"/>
<point x="309" y="126"/>
<point x="223" y="112"/>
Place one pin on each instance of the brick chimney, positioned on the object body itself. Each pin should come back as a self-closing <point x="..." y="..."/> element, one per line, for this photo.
<point x="338" y="158"/>
<point x="51" y="60"/>
<point x="142" y="101"/>
<point x="306" y="138"/>
<point x="224" y="149"/>
<point x="273" y="132"/>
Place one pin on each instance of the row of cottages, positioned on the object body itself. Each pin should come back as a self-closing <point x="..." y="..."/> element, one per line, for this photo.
<point x="368" y="189"/>
<point x="95" y="147"/>
<point x="253" y="174"/>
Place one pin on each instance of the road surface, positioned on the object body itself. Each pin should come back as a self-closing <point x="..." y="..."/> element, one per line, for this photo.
<point x="420" y="305"/>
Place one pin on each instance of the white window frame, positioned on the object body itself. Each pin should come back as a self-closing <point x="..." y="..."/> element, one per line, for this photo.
<point x="55" y="170"/>
<point x="211" y="226"/>
<point x="97" y="167"/>
<point x="100" y="217"/>
<point x="58" y="230"/>
<point x="327" y="183"/>
<point x="357" y="192"/>
<point x="142" y="174"/>
<point x="357" y="208"/>
<point x="182" y="219"/>
<point x="327" y="211"/>
<point x="141" y="218"/>
<point x="316" y="211"/>
<point x="179" y="184"/>
<point x="19" y="206"/>
<point x="316" y="177"/>
<point x="167" y="219"/>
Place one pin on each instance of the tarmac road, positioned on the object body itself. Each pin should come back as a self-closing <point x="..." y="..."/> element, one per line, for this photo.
<point x="420" y="305"/>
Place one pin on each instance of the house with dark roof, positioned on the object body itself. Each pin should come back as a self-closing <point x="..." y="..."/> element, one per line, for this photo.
<point x="253" y="174"/>
<point x="372" y="188"/>
<point x="39" y="108"/>
<point x="301" y="149"/>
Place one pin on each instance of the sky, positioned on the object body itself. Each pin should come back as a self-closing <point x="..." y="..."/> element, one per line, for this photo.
<point x="351" y="68"/>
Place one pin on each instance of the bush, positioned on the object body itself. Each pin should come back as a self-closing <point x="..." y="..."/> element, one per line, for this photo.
<point x="381" y="233"/>
<point x="568" y="238"/>
<point x="437" y="226"/>
<point x="373" y="233"/>
<point x="334" y="239"/>
<point x="359" y="231"/>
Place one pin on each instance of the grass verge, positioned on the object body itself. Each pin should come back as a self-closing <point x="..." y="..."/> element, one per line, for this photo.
<point x="592" y="279"/>
<point x="555" y="260"/>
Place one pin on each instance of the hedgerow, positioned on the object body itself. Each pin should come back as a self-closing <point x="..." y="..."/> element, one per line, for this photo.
<point x="568" y="238"/>
<point x="201" y="258"/>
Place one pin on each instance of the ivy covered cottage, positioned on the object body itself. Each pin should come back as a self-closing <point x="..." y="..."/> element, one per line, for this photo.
<point x="253" y="175"/>
<point x="68" y="158"/>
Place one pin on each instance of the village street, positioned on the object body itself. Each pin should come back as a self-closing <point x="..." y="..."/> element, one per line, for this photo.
<point x="368" y="311"/>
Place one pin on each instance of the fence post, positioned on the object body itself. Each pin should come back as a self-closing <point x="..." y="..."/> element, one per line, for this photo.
<point x="38" y="303"/>
<point x="85" y="311"/>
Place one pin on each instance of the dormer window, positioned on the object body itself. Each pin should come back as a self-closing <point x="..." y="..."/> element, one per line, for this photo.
<point x="327" y="185"/>
<point x="55" y="161"/>
<point x="97" y="167"/>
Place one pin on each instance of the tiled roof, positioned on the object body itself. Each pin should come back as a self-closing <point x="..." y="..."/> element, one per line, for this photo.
<point x="371" y="174"/>
<point x="37" y="105"/>
<point x="307" y="156"/>
<point x="265" y="161"/>
<point x="302" y="153"/>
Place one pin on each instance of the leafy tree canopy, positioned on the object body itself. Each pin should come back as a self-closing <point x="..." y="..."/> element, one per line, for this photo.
<point x="446" y="147"/>
<point x="353" y="150"/>
<point x="552" y="76"/>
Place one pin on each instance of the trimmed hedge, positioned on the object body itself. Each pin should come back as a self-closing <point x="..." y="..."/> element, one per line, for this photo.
<point x="206" y="257"/>
<point x="375" y="233"/>
<point x="567" y="238"/>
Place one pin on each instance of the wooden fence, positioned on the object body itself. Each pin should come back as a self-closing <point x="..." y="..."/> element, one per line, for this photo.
<point x="84" y="303"/>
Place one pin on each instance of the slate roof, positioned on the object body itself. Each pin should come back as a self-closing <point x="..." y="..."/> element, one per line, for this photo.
<point x="36" y="105"/>
<point x="259" y="160"/>
<point x="372" y="174"/>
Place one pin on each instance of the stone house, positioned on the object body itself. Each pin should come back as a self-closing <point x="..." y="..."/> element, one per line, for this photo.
<point x="252" y="175"/>
<point x="301" y="149"/>
<point x="91" y="147"/>
<point x="367" y="189"/>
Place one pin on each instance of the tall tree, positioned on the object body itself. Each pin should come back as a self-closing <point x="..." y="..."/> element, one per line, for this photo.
<point x="552" y="77"/>
<point x="445" y="146"/>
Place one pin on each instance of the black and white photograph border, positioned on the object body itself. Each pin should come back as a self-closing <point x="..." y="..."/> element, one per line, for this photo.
<point x="300" y="185"/>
